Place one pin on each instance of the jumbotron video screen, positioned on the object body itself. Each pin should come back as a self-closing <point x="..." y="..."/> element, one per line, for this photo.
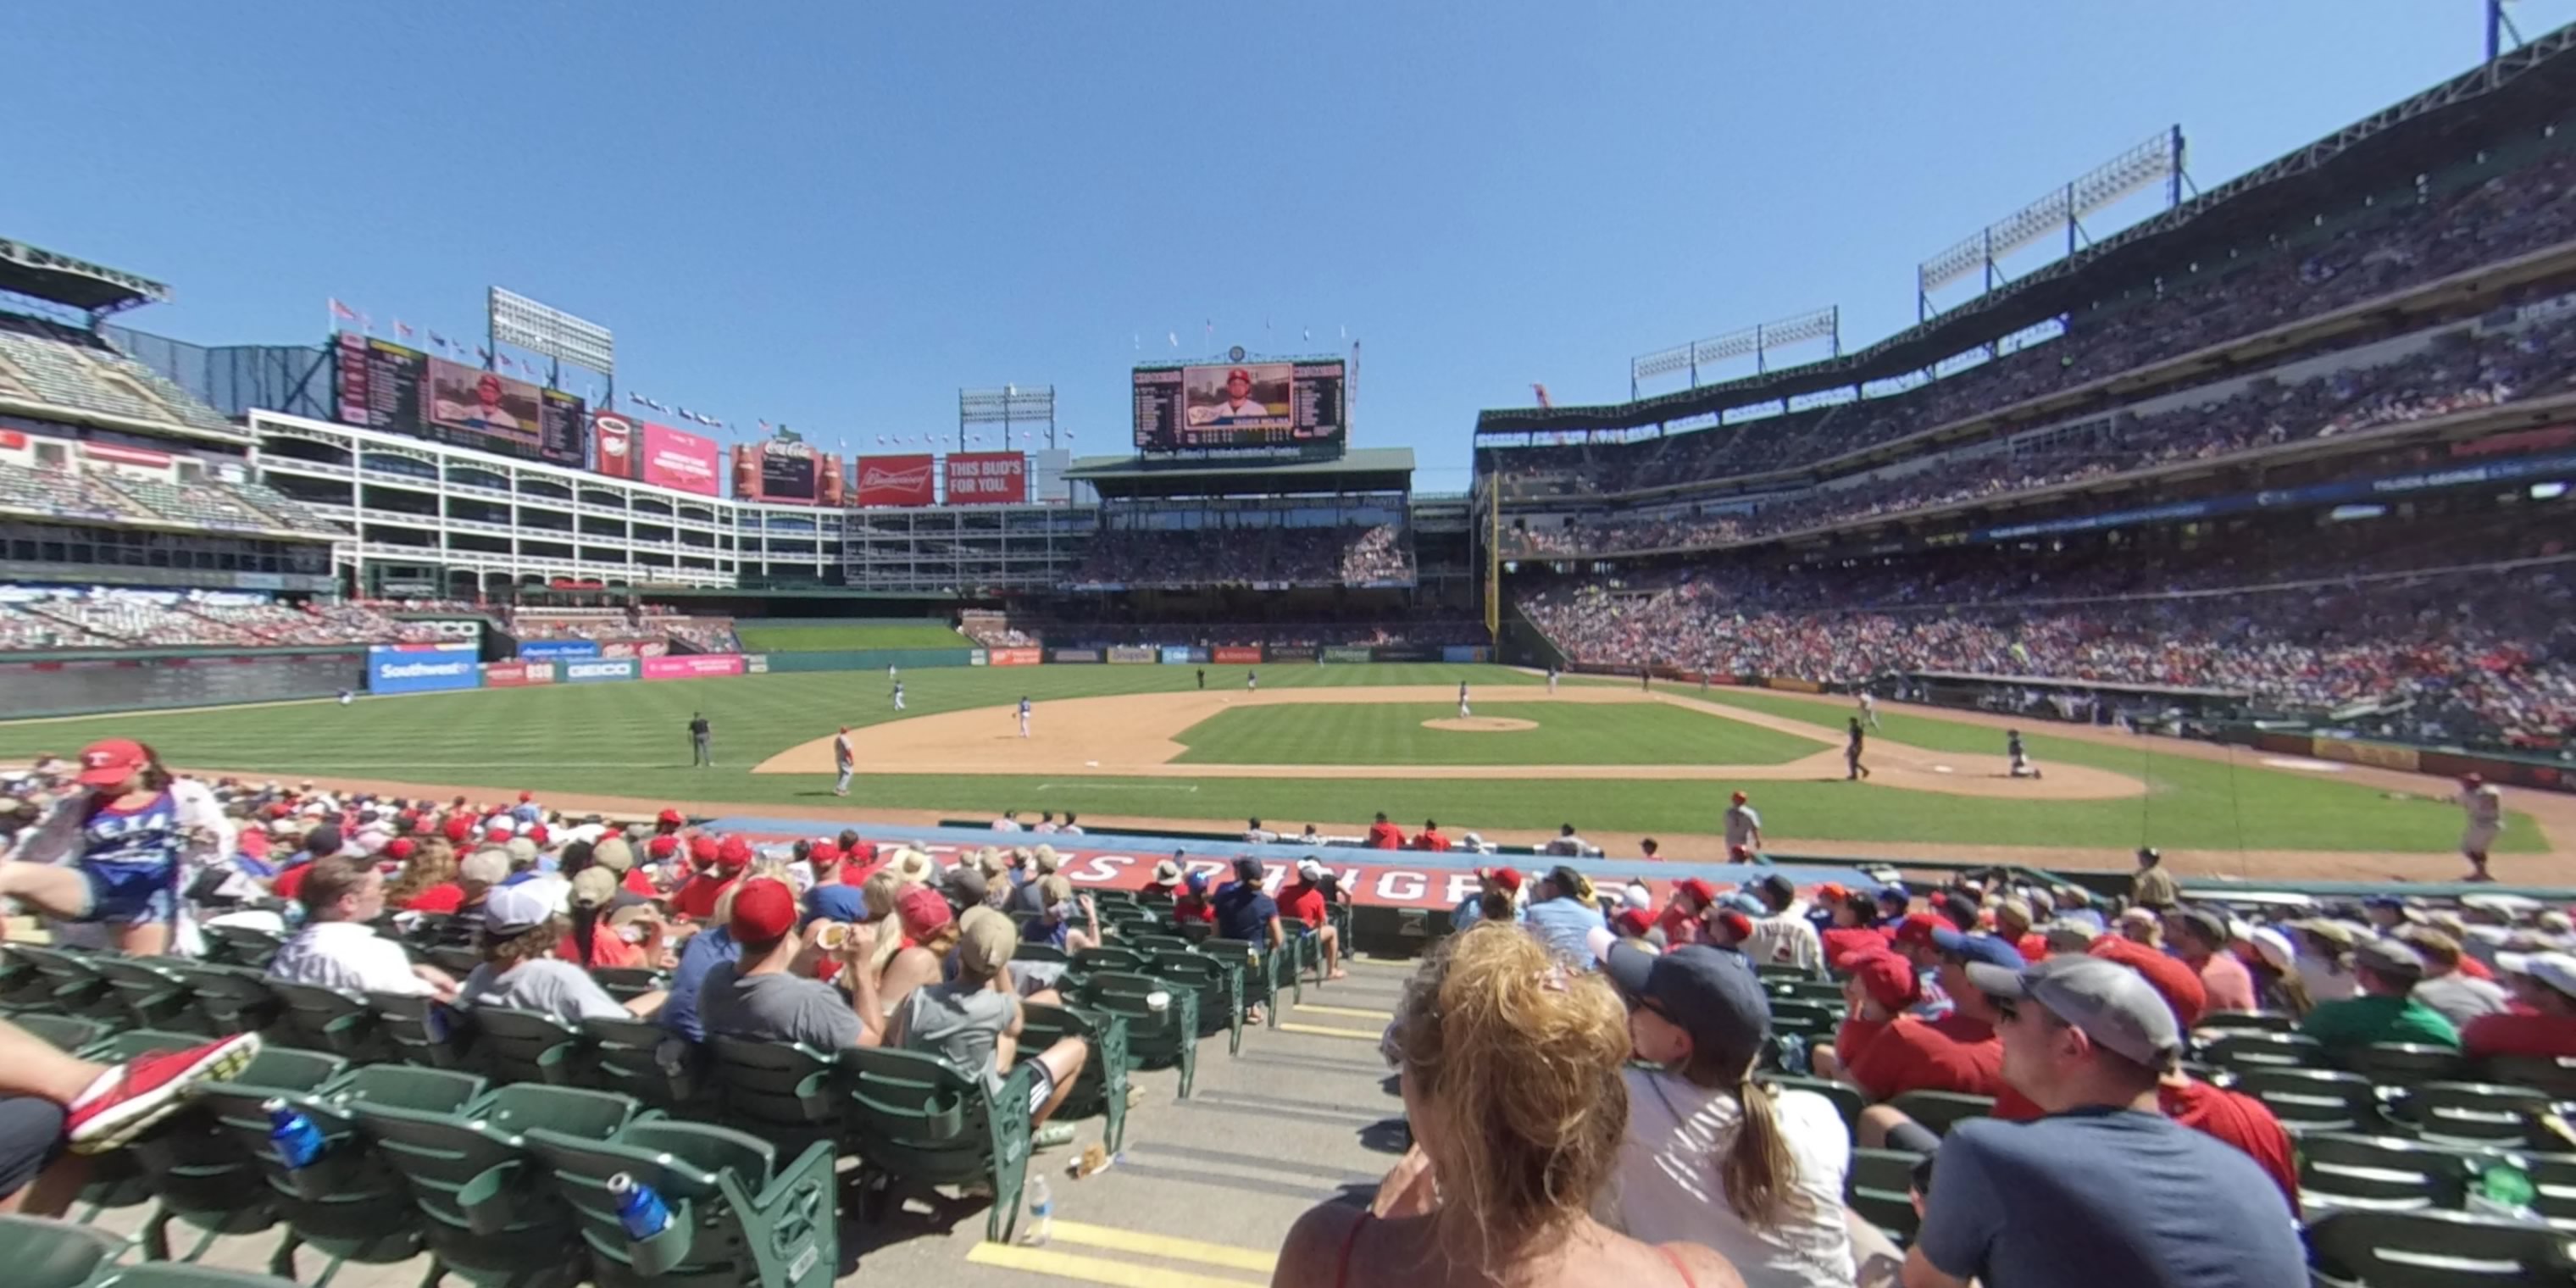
<point x="1246" y="405"/>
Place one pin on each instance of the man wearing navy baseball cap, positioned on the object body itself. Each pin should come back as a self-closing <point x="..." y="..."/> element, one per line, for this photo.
<point x="2104" y="1190"/>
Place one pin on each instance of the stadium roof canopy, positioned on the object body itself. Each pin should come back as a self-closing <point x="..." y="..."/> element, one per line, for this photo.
<point x="2434" y="130"/>
<point x="1371" y="469"/>
<point x="45" y="275"/>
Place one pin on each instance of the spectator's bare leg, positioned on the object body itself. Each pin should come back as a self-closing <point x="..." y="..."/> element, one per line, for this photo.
<point x="1825" y="1064"/>
<point x="1063" y="1062"/>
<point x="54" y="891"/>
<point x="31" y="1066"/>
<point x="1876" y="1122"/>
<point x="1333" y="953"/>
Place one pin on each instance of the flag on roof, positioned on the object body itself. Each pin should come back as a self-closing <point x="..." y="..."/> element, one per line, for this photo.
<point x="437" y="339"/>
<point x="402" y="328"/>
<point x="343" y="311"/>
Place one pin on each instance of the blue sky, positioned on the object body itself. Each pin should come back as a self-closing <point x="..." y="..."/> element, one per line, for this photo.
<point x="833" y="215"/>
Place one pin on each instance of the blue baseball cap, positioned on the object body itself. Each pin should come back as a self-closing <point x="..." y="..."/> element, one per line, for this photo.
<point x="1710" y="993"/>
<point x="1977" y="948"/>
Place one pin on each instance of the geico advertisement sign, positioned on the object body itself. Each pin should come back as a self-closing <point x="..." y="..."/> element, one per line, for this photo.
<point x="596" y="670"/>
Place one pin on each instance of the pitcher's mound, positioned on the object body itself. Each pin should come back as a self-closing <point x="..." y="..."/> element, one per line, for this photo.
<point x="1481" y="724"/>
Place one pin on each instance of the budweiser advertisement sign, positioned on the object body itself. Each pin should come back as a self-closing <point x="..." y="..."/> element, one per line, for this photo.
<point x="895" y="480"/>
<point x="987" y="478"/>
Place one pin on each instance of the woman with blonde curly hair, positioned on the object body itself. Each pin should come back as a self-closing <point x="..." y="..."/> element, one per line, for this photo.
<point x="1511" y="1075"/>
<point x="427" y="882"/>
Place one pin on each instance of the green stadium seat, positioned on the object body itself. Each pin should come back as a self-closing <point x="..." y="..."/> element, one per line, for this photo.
<point x="160" y="1275"/>
<point x="1032" y="951"/>
<point x="349" y="1204"/>
<point x="1308" y="946"/>
<point x="1810" y="1020"/>
<point x="1094" y="960"/>
<point x="2552" y="1075"/>
<point x="2379" y="1173"/>
<point x="529" y="1046"/>
<point x="1846" y="1097"/>
<point x="488" y="1212"/>
<point x="154" y="996"/>
<point x="233" y="999"/>
<point x="1880" y="1188"/>
<point x="2314" y="1100"/>
<point x="2402" y="1064"/>
<point x="2213" y="1023"/>
<point x="1938" y="1110"/>
<point x="786" y="1093"/>
<point x="42" y="1253"/>
<point x="1100" y="1090"/>
<point x="626" y="983"/>
<point x="739" y="1218"/>
<point x="1264" y="973"/>
<point x="245" y="946"/>
<point x="2243" y="1050"/>
<point x="1158" y="1036"/>
<point x="68" y="1033"/>
<point x="423" y="1031"/>
<point x="331" y="1021"/>
<point x="2480" y="1115"/>
<point x="2432" y="1249"/>
<point x="639" y="1059"/>
<point x="1156" y="944"/>
<point x="1217" y="979"/>
<point x="2554" y="1180"/>
<point x="921" y="1122"/>
<point x="73" y="985"/>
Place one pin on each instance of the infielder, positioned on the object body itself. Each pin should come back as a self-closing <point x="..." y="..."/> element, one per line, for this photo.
<point x="1869" y="710"/>
<point x="898" y="695"/>
<point x="843" y="755"/>
<point x="1551" y="679"/>
<point x="1024" y="716"/>
<point x="2021" y="766"/>
<point x="1252" y="680"/>
<point x="1743" y="830"/>
<point x="2483" y="802"/>
<point x="1462" y="700"/>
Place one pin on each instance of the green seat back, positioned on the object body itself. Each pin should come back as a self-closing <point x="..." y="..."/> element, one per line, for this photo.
<point x="2379" y="1173"/>
<point x="2435" y="1250"/>
<point x="638" y="1058"/>
<point x="2244" y="1050"/>
<point x="155" y="996"/>
<point x="1937" y="1110"/>
<point x="1158" y="1036"/>
<point x="74" y="986"/>
<point x="1880" y="1188"/>
<point x="748" y="1219"/>
<point x="423" y="1031"/>
<point x="2319" y="1100"/>
<point x="783" y="1092"/>
<point x="232" y="999"/>
<point x="1100" y="1090"/>
<point x="246" y="946"/>
<point x="157" y="1274"/>
<point x="2214" y="1022"/>
<point x="2554" y="1075"/>
<point x="2481" y="1114"/>
<point x="1030" y="950"/>
<point x="1846" y="1098"/>
<point x="1094" y="960"/>
<point x="528" y="1046"/>
<point x="2405" y="1064"/>
<point x="69" y="1033"/>
<point x="43" y="1253"/>
<point x="326" y="1019"/>
<point x="919" y="1121"/>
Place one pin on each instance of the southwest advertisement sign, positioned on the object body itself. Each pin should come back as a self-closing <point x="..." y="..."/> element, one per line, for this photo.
<point x="1131" y="653"/>
<point x="895" y="480"/>
<point x="551" y="650"/>
<point x="1015" y="656"/>
<point x="696" y="666"/>
<point x="422" y="668"/>
<point x="1234" y="656"/>
<point x="656" y="454"/>
<point x="598" y="670"/>
<point x="987" y="478"/>
<point x="1075" y="655"/>
<point x="515" y="675"/>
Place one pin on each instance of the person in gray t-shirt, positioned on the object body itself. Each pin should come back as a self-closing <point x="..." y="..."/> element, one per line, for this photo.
<point x="557" y="988"/>
<point x="974" y="1022"/>
<point x="777" y="1006"/>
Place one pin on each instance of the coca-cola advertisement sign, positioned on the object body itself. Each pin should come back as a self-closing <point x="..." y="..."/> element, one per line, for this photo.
<point x="656" y="454"/>
<point x="895" y="480"/>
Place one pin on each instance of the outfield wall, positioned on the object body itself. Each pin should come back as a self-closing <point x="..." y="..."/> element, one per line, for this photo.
<point x="81" y="682"/>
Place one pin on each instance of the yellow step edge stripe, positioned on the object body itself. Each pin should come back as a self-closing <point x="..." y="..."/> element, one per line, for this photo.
<point x="1098" y="1270"/>
<point x="1352" y="1012"/>
<point x="1166" y="1246"/>
<point x="1356" y="1035"/>
<point x="1381" y="964"/>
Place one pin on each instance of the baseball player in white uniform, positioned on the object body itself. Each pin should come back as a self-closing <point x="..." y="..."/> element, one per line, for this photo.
<point x="1024" y="716"/>
<point x="1868" y="709"/>
<point x="1743" y="830"/>
<point x="843" y="754"/>
<point x="1551" y="680"/>
<point x="2483" y="802"/>
<point x="1462" y="700"/>
<point x="898" y="695"/>
<point x="1252" y="680"/>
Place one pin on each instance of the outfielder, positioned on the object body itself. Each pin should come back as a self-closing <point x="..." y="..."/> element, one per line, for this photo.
<point x="1252" y="679"/>
<point x="898" y="695"/>
<point x="1462" y="700"/>
<point x="2483" y="802"/>
<point x="1551" y="679"/>
<point x="842" y="757"/>
<point x="1024" y="716"/>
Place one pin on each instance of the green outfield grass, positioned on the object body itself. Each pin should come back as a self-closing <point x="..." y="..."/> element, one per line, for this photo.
<point x="1568" y="733"/>
<point x="629" y="739"/>
<point x="816" y="639"/>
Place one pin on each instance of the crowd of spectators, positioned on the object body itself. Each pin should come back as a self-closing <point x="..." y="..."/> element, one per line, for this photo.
<point x="1254" y="556"/>
<point x="2482" y="652"/>
<point x="1285" y="635"/>
<point x="48" y="617"/>
<point x="2455" y="373"/>
<point x="643" y="624"/>
<point x="2400" y="247"/>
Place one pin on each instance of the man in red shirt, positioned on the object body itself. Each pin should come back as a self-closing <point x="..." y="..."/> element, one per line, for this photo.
<point x="1383" y="835"/>
<point x="718" y="865"/>
<point x="668" y="823"/>
<point x="1303" y="899"/>
<point x="1431" y="839"/>
<point x="2200" y="937"/>
<point x="1193" y="908"/>
<point x="1886" y="1052"/>
<point x="1681" y="916"/>
<point x="2545" y="984"/>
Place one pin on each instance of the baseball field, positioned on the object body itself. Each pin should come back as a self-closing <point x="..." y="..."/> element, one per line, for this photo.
<point x="1333" y="744"/>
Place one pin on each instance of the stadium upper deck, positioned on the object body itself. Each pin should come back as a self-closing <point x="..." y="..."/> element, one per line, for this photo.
<point x="2441" y="206"/>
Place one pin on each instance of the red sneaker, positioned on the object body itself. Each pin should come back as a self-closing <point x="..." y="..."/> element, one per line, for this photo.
<point x="147" y="1089"/>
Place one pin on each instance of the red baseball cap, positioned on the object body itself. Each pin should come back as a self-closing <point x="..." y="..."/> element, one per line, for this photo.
<point x="763" y="910"/>
<point x="1700" y="891"/>
<point x="921" y="911"/>
<point x="1504" y="878"/>
<point x="733" y="852"/>
<point x="823" y="852"/>
<point x="112" y="761"/>
<point x="662" y="847"/>
<point x="670" y="816"/>
<point x="525" y="797"/>
<point x="1238" y="374"/>
<point x="399" y="848"/>
<point x="1886" y="979"/>
<point x="1631" y="923"/>
<point x="458" y="828"/>
<point x="1917" y="928"/>
<point x="537" y="832"/>
<point x="702" y="851"/>
<point x="2168" y="975"/>
<point x="497" y="835"/>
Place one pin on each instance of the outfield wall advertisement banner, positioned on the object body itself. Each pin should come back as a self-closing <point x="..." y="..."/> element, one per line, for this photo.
<point x="422" y="668"/>
<point x="1465" y="653"/>
<point x="896" y="480"/>
<point x="598" y="670"/>
<point x="1131" y="653"/>
<point x="1290" y="653"/>
<point x="1348" y="654"/>
<point x="1235" y="656"/>
<point x="635" y="648"/>
<point x="696" y="666"/>
<point x="548" y="650"/>
<point x="1014" y="656"/>
<point x="1075" y="655"/>
<point x="755" y="664"/>
<point x="515" y="675"/>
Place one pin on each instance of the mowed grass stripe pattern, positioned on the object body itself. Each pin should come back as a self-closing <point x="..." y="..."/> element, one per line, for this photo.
<point x="1568" y="733"/>
<point x="810" y="639"/>
<point x="629" y="739"/>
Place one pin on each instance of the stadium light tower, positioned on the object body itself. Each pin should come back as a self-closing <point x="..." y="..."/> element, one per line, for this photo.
<point x="1755" y="342"/>
<point x="2157" y="161"/>
<point x="1007" y="406"/>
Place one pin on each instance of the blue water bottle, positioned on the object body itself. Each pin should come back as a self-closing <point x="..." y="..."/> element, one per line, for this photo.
<point x="297" y="1141"/>
<point x="639" y="1209"/>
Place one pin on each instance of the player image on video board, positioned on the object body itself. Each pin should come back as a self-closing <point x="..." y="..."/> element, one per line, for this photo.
<point x="1251" y="395"/>
<point x="462" y="397"/>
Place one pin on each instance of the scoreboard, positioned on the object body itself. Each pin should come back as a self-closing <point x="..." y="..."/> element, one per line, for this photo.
<point x="1249" y="406"/>
<point x="400" y="390"/>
